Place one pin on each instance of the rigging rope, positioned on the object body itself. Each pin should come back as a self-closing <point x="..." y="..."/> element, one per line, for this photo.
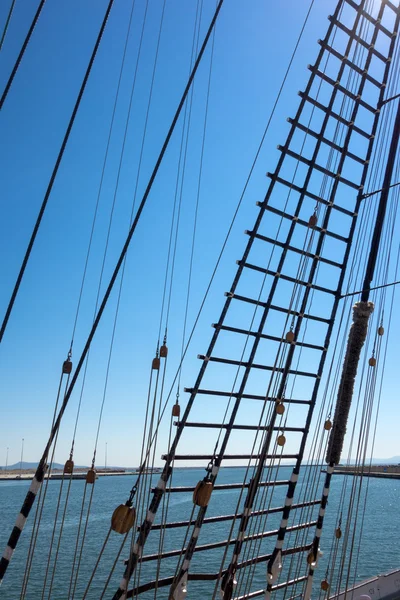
<point x="55" y="169"/>
<point x="72" y="341"/>
<point x="10" y="12"/>
<point x="5" y="560"/>
<point x="22" y="51"/>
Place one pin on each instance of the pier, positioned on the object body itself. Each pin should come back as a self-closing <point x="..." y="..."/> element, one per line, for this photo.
<point x="382" y="471"/>
<point x="58" y="475"/>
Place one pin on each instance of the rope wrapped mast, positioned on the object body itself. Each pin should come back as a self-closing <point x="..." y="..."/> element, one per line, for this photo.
<point x="357" y="334"/>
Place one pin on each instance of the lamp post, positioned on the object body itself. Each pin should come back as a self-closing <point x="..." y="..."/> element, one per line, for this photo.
<point x="22" y="456"/>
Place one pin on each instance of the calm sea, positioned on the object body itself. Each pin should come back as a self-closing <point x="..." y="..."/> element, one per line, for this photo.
<point x="378" y="551"/>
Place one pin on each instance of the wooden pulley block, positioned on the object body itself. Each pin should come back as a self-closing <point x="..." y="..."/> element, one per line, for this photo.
<point x="123" y="518"/>
<point x="312" y="220"/>
<point x="325" y="585"/>
<point x="281" y="440"/>
<point x="311" y="558"/>
<point x="289" y="336"/>
<point x="202" y="493"/>
<point x="176" y="410"/>
<point x="381" y="330"/>
<point x="328" y="425"/>
<point x="156" y="363"/>
<point x="372" y="361"/>
<point x="69" y="467"/>
<point x="164" y="351"/>
<point x="67" y="367"/>
<point x="91" y="476"/>
<point x="338" y="533"/>
<point x="280" y="408"/>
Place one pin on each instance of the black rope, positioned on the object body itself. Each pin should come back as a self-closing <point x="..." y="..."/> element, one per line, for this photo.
<point x="10" y="12"/>
<point x="21" y="53"/>
<point x="55" y="169"/>
<point x="41" y="466"/>
<point x="369" y="273"/>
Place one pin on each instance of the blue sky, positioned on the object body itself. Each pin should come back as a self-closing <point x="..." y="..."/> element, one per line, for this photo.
<point x="253" y="44"/>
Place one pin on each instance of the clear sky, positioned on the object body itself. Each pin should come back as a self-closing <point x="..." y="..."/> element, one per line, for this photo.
<point x="253" y="44"/>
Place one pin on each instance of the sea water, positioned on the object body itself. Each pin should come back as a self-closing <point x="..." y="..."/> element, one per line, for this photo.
<point x="376" y="509"/>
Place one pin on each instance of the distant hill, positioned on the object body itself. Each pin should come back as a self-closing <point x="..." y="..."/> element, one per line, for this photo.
<point x="29" y="465"/>
<point x="395" y="460"/>
<point x="33" y="465"/>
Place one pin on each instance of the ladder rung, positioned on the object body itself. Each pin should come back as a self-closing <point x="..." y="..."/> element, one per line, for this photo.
<point x="279" y="586"/>
<point x="281" y="213"/>
<point x="225" y="486"/>
<point x="167" y="581"/>
<point x="357" y="38"/>
<point x="209" y="457"/>
<point x="279" y="308"/>
<point x="240" y="427"/>
<point x="266" y="557"/>
<point x="318" y="136"/>
<point x="390" y="5"/>
<point x="223" y="543"/>
<point x="297" y="314"/>
<point x="369" y="17"/>
<point x="300" y="190"/>
<point x="242" y="363"/>
<point x="341" y="88"/>
<point x="287" y="278"/>
<point x="319" y="168"/>
<point x="264" y="238"/>
<point x="211" y="520"/>
<point x="334" y="115"/>
<point x="348" y="62"/>
<point x="243" y="396"/>
<point x="265" y="336"/>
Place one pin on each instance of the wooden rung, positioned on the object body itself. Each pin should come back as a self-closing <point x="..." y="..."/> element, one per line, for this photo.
<point x="240" y="363"/>
<point x="318" y="136"/>
<point x="266" y="557"/>
<point x="309" y="194"/>
<point x="319" y="288"/>
<point x="209" y="457"/>
<point x="244" y="396"/>
<point x="390" y="5"/>
<point x="341" y="88"/>
<point x="167" y="581"/>
<point x="285" y="215"/>
<point x="357" y="38"/>
<point x="240" y="427"/>
<point x="223" y="543"/>
<point x="279" y="586"/>
<point x="313" y="165"/>
<point x="226" y="486"/>
<point x="321" y="259"/>
<point x="369" y="17"/>
<point x="279" y="308"/>
<point x="335" y="115"/>
<point x="350" y="63"/>
<point x="265" y="336"/>
<point x="231" y="517"/>
<point x="297" y="314"/>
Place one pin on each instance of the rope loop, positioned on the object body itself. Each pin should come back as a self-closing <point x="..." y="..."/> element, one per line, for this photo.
<point x="132" y="494"/>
